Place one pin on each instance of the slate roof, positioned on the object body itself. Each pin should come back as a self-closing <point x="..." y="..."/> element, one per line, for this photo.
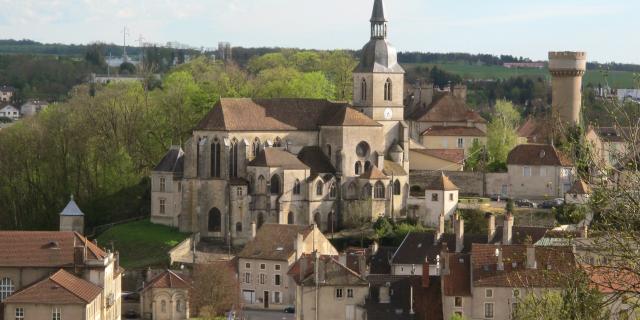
<point x="7" y="89"/>
<point x="451" y="155"/>
<point x="373" y="174"/>
<point x="417" y="246"/>
<point x="379" y="56"/>
<point x="537" y="155"/>
<point x="447" y="109"/>
<point x="378" y="12"/>
<point x="274" y="242"/>
<point x="60" y="288"/>
<point x="580" y="187"/>
<point x="392" y="168"/>
<point x="551" y="262"/>
<point x="169" y="279"/>
<point x="379" y="262"/>
<point x="316" y="160"/>
<point x="71" y="209"/>
<point x="244" y="114"/>
<point x="458" y="281"/>
<point x="53" y="249"/>
<point x="457" y="131"/>
<point x="173" y="161"/>
<point x="276" y="158"/>
<point x="441" y="182"/>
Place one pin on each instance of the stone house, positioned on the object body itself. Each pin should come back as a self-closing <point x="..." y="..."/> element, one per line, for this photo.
<point x="166" y="188"/>
<point x="29" y="257"/>
<point x="166" y="297"/>
<point x="265" y="260"/>
<point x="322" y="281"/>
<point x="10" y="112"/>
<point x="609" y="144"/>
<point x="437" y="159"/>
<point x="539" y="171"/>
<point x="6" y="93"/>
<point x="33" y="107"/>
<point x="579" y="193"/>
<point x="59" y="296"/>
<point x="441" y="198"/>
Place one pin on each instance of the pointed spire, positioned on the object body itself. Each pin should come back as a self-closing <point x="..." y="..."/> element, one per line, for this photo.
<point x="378" y="21"/>
<point x="378" y="12"/>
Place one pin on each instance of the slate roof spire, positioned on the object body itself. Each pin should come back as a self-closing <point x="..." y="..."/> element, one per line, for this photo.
<point x="72" y="209"/>
<point x="378" y="21"/>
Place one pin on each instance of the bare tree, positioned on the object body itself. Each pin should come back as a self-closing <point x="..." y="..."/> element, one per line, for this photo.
<point x="215" y="290"/>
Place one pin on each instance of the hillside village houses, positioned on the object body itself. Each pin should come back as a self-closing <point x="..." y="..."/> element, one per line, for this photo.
<point x="10" y="112"/>
<point x="6" y="94"/>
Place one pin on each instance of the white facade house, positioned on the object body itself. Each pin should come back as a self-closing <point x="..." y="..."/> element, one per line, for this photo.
<point x="441" y="197"/>
<point x="10" y="112"/>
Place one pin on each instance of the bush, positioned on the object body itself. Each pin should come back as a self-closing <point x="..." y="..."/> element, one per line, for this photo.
<point x="497" y="166"/>
<point x="570" y="213"/>
<point x="474" y="221"/>
<point x="383" y="227"/>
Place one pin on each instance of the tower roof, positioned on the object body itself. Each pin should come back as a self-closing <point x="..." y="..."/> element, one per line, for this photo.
<point x="72" y="209"/>
<point x="378" y="12"/>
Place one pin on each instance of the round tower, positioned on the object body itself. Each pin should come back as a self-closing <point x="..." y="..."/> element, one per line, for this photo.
<point x="567" y="69"/>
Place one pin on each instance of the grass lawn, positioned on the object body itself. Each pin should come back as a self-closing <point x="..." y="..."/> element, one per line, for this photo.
<point x="141" y="243"/>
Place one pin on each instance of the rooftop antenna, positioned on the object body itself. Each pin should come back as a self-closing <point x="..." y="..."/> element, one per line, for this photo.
<point x="125" y="33"/>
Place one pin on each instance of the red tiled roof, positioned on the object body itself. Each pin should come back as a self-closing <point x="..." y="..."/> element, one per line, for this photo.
<point x="611" y="280"/>
<point x="440" y="131"/>
<point x="458" y="281"/>
<point x="274" y="242"/>
<point x="451" y="155"/>
<point x="373" y="174"/>
<point x="447" y="109"/>
<point x="537" y="155"/>
<point x="580" y="187"/>
<point x="169" y="279"/>
<point x="60" y="288"/>
<point x="43" y="248"/>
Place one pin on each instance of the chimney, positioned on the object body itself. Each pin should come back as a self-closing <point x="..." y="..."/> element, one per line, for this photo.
<point x="383" y="296"/>
<point x="440" y="230"/>
<point x="362" y="265"/>
<point x="459" y="230"/>
<point x="299" y="245"/>
<point x="491" y="227"/>
<point x="322" y="272"/>
<point x="253" y="229"/>
<point x="425" y="273"/>
<point x="500" y="266"/>
<point x="531" y="257"/>
<point x="507" y="229"/>
<point x="444" y="259"/>
<point x="303" y="267"/>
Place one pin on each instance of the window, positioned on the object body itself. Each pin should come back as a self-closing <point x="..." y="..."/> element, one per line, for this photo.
<point x="396" y="188"/>
<point x="239" y="191"/>
<point x="19" y="313"/>
<point x="362" y="149"/>
<point x="178" y="305"/>
<point x="319" y="187"/>
<point x="457" y="302"/>
<point x="526" y="171"/>
<point x="238" y="226"/>
<point x="367" y="166"/>
<point x="57" y="315"/>
<point x="543" y="171"/>
<point x="263" y="278"/>
<point x="247" y="277"/>
<point x="434" y="197"/>
<point x="247" y="265"/>
<point x="263" y="266"/>
<point x="488" y="293"/>
<point x="388" y="90"/>
<point x="255" y="147"/>
<point x="163" y="184"/>
<point x="275" y="184"/>
<point x="516" y="293"/>
<point x="277" y="297"/>
<point x="277" y="267"/>
<point x="352" y="191"/>
<point x="358" y="169"/>
<point x="488" y="310"/>
<point x="163" y="206"/>
<point x="6" y="288"/>
<point x="163" y="306"/>
<point x="349" y="293"/>
<point x="329" y="151"/>
<point x="460" y="143"/>
<point x="179" y="186"/>
<point x="366" y="191"/>
<point x="290" y="219"/>
<point x="339" y="293"/>
<point x="296" y="187"/>
<point x="233" y="159"/>
<point x="379" y="190"/>
<point x="277" y="143"/>
<point x="276" y="279"/>
<point x="215" y="158"/>
<point x="363" y="90"/>
<point x="333" y="191"/>
<point x="450" y="196"/>
<point x="215" y="220"/>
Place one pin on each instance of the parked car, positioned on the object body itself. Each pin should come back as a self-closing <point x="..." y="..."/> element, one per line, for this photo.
<point x="289" y="309"/>
<point x="131" y="314"/>
<point x="525" y="203"/>
<point x="549" y="204"/>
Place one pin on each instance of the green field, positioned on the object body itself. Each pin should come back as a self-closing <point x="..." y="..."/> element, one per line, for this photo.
<point x="141" y="243"/>
<point x="616" y="79"/>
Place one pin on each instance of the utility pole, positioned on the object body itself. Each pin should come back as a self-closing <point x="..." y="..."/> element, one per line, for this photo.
<point x="141" y="46"/>
<point x="125" y="33"/>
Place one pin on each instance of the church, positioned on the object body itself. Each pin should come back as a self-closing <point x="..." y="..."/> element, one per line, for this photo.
<point x="294" y="161"/>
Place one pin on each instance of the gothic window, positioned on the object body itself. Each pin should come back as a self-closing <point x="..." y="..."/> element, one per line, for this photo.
<point x="290" y="218"/>
<point x="331" y="222"/>
<point x="367" y="166"/>
<point x="296" y="187"/>
<point x="255" y="147"/>
<point x="366" y="191"/>
<point x="215" y="220"/>
<point x="358" y="167"/>
<point x="163" y="306"/>
<point x="215" y="158"/>
<point x="251" y="185"/>
<point x="198" y="157"/>
<point x="277" y="143"/>
<point x="262" y="185"/>
<point x="319" y="187"/>
<point x="396" y="188"/>
<point x="379" y="190"/>
<point x="233" y="159"/>
<point x="6" y="288"/>
<point x="333" y="191"/>
<point x="239" y="227"/>
<point x="352" y="191"/>
<point x="388" y="90"/>
<point x="275" y="184"/>
<point x="363" y="90"/>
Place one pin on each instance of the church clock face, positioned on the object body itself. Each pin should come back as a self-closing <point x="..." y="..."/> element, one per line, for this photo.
<point x="388" y="114"/>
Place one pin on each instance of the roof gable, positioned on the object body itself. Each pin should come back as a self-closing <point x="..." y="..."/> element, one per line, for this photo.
<point x="276" y="158"/>
<point x="447" y="108"/>
<point x="274" y="242"/>
<point x="537" y="155"/>
<point x="60" y="288"/>
<point x="173" y="161"/>
<point x="442" y="183"/>
<point x="169" y="279"/>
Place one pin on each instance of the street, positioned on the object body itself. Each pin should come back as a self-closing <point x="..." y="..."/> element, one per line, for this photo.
<point x="268" y="315"/>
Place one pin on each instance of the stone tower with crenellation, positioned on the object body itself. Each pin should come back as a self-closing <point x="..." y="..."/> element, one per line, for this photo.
<point x="567" y="69"/>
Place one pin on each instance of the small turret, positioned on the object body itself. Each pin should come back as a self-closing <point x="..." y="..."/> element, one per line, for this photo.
<point x="72" y="218"/>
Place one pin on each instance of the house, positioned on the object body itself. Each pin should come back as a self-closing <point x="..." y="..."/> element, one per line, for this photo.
<point x="437" y="159"/>
<point x="441" y="198"/>
<point x="166" y="296"/>
<point x="30" y="264"/>
<point x="579" y="193"/>
<point x="6" y="93"/>
<point x="609" y="144"/>
<point x="10" y="112"/>
<point x="33" y="107"/>
<point x="533" y="130"/>
<point x="61" y="295"/>
<point x="166" y="188"/>
<point x="539" y="171"/>
<point x="263" y="263"/>
<point x="321" y="280"/>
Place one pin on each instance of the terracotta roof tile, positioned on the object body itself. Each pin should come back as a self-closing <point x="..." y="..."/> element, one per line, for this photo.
<point x="447" y="109"/>
<point x="537" y="155"/>
<point x="60" y="288"/>
<point x="276" y="158"/>
<point x="458" y="281"/>
<point x="169" y="279"/>
<point x="373" y="174"/>
<point x="452" y="155"/>
<point x="274" y="242"/>
<point x="580" y="187"/>
<point x="439" y="131"/>
<point x="392" y="168"/>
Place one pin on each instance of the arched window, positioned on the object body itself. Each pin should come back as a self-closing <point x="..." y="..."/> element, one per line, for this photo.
<point x="277" y="143"/>
<point x="215" y="158"/>
<point x="319" y="187"/>
<point x="367" y="166"/>
<point x="6" y="288"/>
<point x="362" y="149"/>
<point x="238" y="226"/>
<point x="233" y="159"/>
<point x="260" y="220"/>
<point x="163" y="306"/>
<point x="178" y="306"/>
<point x="215" y="220"/>
<point x="316" y="219"/>
<point x="397" y="188"/>
<point x="379" y="190"/>
<point x="275" y="184"/>
<point x="366" y="191"/>
<point x="388" y="90"/>
<point x="252" y="185"/>
<point x="290" y="218"/>
<point x="363" y="90"/>
<point x="255" y="147"/>
<point x="262" y="185"/>
<point x="358" y="168"/>
<point x="352" y="191"/>
<point x="296" y="187"/>
<point x="198" y="157"/>
<point x="331" y="222"/>
<point x="333" y="191"/>
<point x="329" y="151"/>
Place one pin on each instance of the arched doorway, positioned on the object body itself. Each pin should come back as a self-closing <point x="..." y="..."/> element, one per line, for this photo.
<point x="215" y="220"/>
<point x="290" y="219"/>
<point x="260" y="220"/>
<point x="275" y="184"/>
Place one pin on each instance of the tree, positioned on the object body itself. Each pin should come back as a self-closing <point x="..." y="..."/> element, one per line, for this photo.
<point x="95" y="56"/>
<point x="127" y="68"/>
<point x="476" y="159"/>
<point x="509" y="206"/>
<point x="501" y="132"/>
<point x="215" y="291"/>
<point x="289" y="83"/>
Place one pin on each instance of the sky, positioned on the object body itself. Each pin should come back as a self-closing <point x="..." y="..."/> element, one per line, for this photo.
<point x="606" y="30"/>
